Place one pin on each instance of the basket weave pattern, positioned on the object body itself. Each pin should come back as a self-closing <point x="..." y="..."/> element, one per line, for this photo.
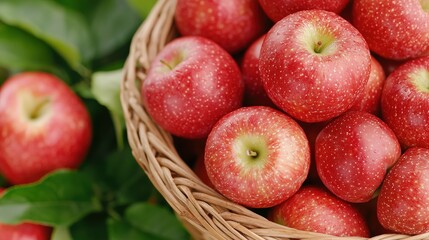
<point x="203" y="211"/>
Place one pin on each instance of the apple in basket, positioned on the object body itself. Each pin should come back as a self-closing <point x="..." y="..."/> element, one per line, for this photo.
<point x="315" y="209"/>
<point x="314" y="64"/>
<point x="233" y="24"/>
<point x="257" y="156"/>
<point x="369" y="100"/>
<point x="394" y="29"/>
<point x="405" y="102"/>
<point x="44" y="121"/>
<point x="403" y="203"/>
<point x="24" y="231"/>
<point x="353" y="154"/>
<point x="190" y="85"/>
<point x="278" y="9"/>
<point x="254" y="93"/>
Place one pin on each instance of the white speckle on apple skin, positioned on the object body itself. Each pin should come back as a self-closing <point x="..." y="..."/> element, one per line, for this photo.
<point x="315" y="209"/>
<point x="233" y="24"/>
<point x="278" y="9"/>
<point x="405" y="107"/>
<point x="369" y="100"/>
<point x="403" y="203"/>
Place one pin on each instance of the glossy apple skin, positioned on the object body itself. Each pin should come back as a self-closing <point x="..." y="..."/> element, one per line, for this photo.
<point x="403" y="203"/>
<point x="309" y="86"/>
<point x="278" y="9"/>
<point x="315" y="209"/>
<point x="279" y="170"/>
<point x="369" y="100"/>
<point x="405" y="106"/>
<point x="189" y="99"/>
<point x="31" y="148"/>
<point x="254" y="93"/>
<point x="24" y="231"/>
<point x="353" y="153"/>
<point x="233" y="24"/>
<point x="398" y="30"/>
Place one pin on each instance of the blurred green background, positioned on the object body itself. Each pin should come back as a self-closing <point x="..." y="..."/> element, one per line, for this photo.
<point x="85" y="43"/>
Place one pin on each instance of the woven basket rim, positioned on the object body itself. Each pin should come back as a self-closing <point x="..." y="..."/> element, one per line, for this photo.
<point x="203" y="211"/>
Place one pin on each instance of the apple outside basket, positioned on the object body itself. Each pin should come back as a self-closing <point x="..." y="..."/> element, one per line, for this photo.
<point x="204" y="212"/>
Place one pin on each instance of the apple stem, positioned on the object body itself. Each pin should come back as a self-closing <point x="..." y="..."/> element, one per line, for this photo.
<point x="251" y="153"/>
<point x="38" y="110"/>
<point x="318" y="47"/>
<point x="166" y="64"/>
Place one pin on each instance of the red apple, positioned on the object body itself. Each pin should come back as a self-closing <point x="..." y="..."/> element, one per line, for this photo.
<point x="24" y="231"/>
<point x="257" y="156"/>
<point x="403" y="203"/>
<point x="315" y="209"/>
<point x="314" y="64"/>
<point x="190" y="85"/>
<point x="44" y="126"/>
<point x="233" y="24"/>
<point x="405" y="102"/>
<point x="254" y="93"/>
<point x="278" y="9"/>
<point x="353" y="153"/>
<point x="369" y="99"/>
<point x="394" y="29"/>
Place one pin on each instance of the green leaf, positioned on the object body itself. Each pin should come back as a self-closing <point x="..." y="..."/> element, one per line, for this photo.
<point x="83" y="6"/>
<point x="113" y="23"/>
<point x="142" y="7"/>
<point x="105" y="87"/>
<point x="155" y="220"/>
<point x="121" y="179"/>
<point x="59" y="199"/>
<point x="121" y="229"/>
<point x="126" y="178"/>
<point x="20" y="50"/>
<point x="63" y="29"/>
<point x="92" y="225"/>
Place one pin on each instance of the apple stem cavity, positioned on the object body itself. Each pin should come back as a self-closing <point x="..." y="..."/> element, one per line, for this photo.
<point x="172" y="63"/>
<point x="318" y="40"/>
<point x="166" y="64"/>
<point x="35" y="107"/>
<point x="39" y="109"/>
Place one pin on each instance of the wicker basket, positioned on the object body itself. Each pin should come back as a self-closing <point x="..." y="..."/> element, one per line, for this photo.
<point x="204" y="212"/>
